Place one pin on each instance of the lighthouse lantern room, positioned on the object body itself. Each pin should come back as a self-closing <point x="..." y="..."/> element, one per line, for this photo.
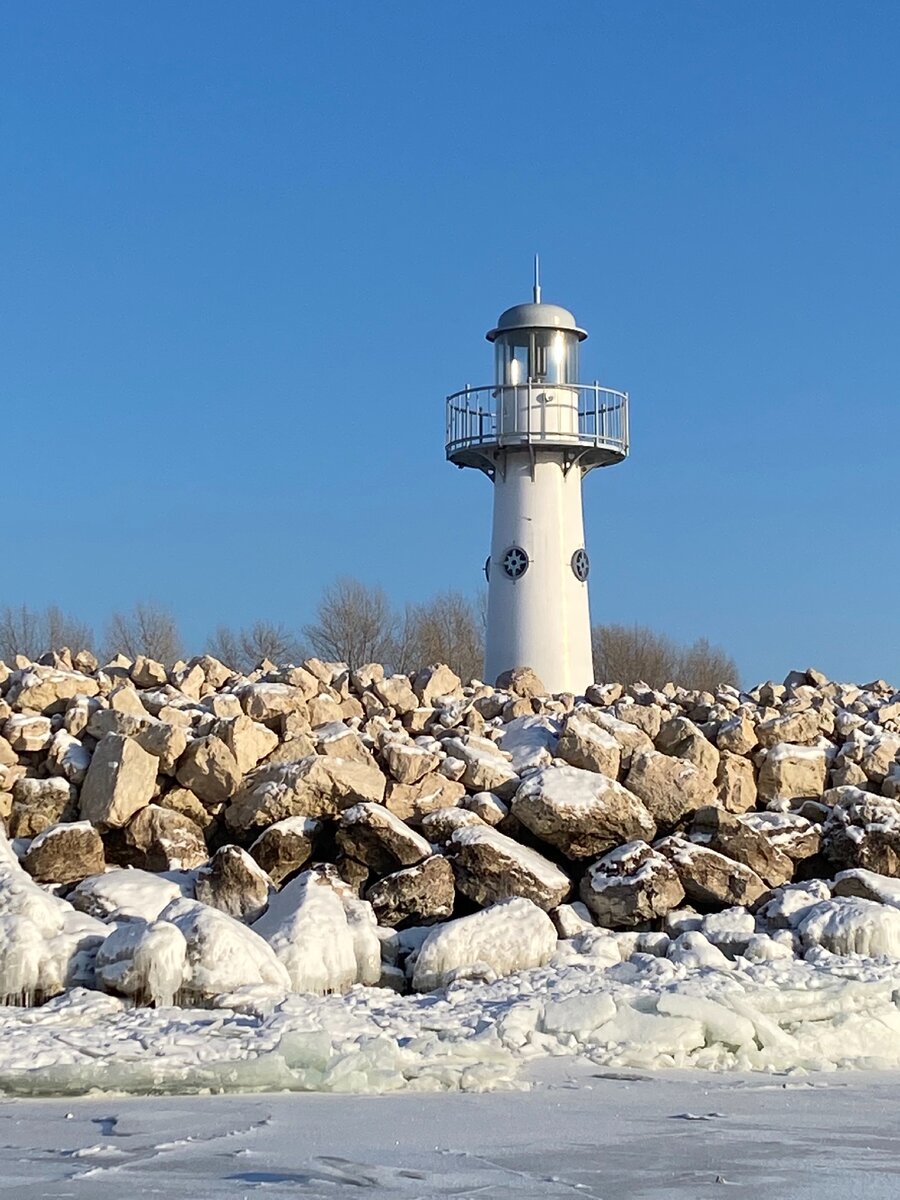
<point x="536" y="432"/>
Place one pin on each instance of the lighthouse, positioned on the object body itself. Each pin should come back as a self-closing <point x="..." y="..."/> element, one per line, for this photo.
<point x="535" y="432"/>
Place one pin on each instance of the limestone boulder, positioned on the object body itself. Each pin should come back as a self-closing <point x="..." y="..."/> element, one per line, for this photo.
<point x="158" y="839"/>
<point x="38" y="804"/>
<point x="726" y="833"/>
<point x="28" y="734"/>
<point x="316" y="786"/>
<point x="120" y="780"/>
<point x="681" y="738"/>
<point x="709" y="878"/>
<point x="489" y="867"/>
<point x="408" y="763"/>
<point x="411" y="802"/>
<point x="671" y="788"/>
<point x="372" y="835"/>
<point x="68" y="757"/>
<point x="396" y="692"/>
<point x="588" y="746"/>
<point x="249" y="741"/>
<point x="233" y="882"/>
<point x="270" y="702"/>
<point x="523" y="682"/>
<point x="148" y="673"/>
<point x="631" y="738"/>
<point x="793" y="773"/>
<point x="630" y="886"/>
<point x="440" y="825"/>
<point x="800" y="728"/>
<point x="486" y="768"/>
<point x="210" y="770"/>
<point x="416" y="895"/>
<point x="65" y="853"/>
<point x="337" y="740"/>
<point x="433" y="684"/>
<point x="737" y="735"/>
<point x="47" y="690"/>
<point x="863" y="830"/>
<point x="285" y="847"/>
<point x="582" y="813"/>
<point x="735" y="782"/>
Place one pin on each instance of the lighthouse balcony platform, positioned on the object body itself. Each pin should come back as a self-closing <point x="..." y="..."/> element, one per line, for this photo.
<point x="586" y="422"/>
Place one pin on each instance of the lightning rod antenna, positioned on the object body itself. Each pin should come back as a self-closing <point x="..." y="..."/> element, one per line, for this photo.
<point x="537" y="279"/>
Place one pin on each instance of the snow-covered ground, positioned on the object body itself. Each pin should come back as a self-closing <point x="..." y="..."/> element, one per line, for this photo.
<point x="595" y="1133"/>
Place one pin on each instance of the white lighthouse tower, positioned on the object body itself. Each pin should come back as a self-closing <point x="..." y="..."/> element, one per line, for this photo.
<point x="536" y="432"/>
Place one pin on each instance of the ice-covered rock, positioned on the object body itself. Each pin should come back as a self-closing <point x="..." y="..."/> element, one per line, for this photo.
<point x="233" y="882"/>
<point x="848" y="925"/>
<point x="510" y="936"/>
<point x="124" y="894"/>
<point x="285" y="847"/>
<point x="709" y="877"/>
<point x="146" y="962"/>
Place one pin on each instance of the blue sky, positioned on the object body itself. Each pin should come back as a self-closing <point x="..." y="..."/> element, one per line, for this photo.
<point x="247" y="249"/>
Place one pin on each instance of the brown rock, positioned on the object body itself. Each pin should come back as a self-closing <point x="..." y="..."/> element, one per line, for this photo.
<point x="313" y="787"/>
<point x="630" y="886"/>
<point x="285" y="847"/>
<point x="39" y="804"/>
<point x="210" y="770"/>
<point x="162" y="840"/>
<point x="235" y="884"/>
<point x="65" y="853"/>
<point x="724" y="832"/>
<point x="489" y="866"/>
<point x="120" y="780"/>
<point x="588" y="746"/>
<point x="419" y="895"/>
<point x="710" y="878"/>
<point x="736" y="782"/>
<point x="521" y="681"/>
<point x="372" y="835"/>
<point x="671" y="788"/>
<point x="412" y="802"/>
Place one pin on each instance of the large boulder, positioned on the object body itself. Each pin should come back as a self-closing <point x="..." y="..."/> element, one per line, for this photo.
<point x="47" y="690"/>
<point x="848" y="925"/>
<point x="735" y="782"/>
<point x="586" y="745"/>
<point x="316" y="786"/>
<point x="709" y="878"/>
<point x="418" y="895"/>
<point x="793" y="773"/>
<point x="210" y="770"/>
<point x="234" y="883"/>
<point x="863" y="830"/>
<point x="681" y="738"/>
<point x="435" y="683"/>
<point x="158" y="839"/>
<point x="120" y="780"/>
<point x="671" y="788"/>
<point x="408" y="763"/>
<point x="729" y="835"/>
<point x="523" y="682"/>
<point x="65" y="853"/>
<point x="514" y="935"/>
<point x="285" y="847"/>
<point x="487" y="768"/>
<point x="38" y="804"/>
<point x="413" y="801"/>
<point x="630" y="886"/>
<point x="580" y="812"/>
<point x="372" y="835"/>
<point x="489" y="867"/>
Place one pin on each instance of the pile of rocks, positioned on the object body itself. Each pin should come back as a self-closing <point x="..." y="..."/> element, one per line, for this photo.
<point x="313" y="803"/>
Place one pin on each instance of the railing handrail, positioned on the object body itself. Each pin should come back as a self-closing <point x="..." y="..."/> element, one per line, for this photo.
<point x="537" y="385"/>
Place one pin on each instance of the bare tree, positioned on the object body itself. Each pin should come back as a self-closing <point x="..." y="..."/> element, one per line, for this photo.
<point x="636" y="654"/>
<point x="354" y="624"/>
<point x="446" y="629"/>
<point x="244" y="649"/>
<point x="32" y="633"/>
<point x="704" y="667"/>
<point x="149" y="630"/>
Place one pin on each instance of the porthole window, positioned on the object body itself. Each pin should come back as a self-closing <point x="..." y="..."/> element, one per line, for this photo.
<point x="515" y="562"/>
<point x="581" y="565"/>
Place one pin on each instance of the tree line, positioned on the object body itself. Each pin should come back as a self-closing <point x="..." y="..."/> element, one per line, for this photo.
<point x="356" y="623"/>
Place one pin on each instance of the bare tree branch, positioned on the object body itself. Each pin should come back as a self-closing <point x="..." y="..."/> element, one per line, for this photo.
<point x="149" y="630"/>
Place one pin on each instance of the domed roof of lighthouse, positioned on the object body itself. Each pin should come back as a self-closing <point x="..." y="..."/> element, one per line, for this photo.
<point x="537" y="315"/>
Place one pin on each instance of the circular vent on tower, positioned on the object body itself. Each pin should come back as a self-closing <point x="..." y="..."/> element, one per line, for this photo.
<point x="581" y="565"/>
<point x="515" y="562"/>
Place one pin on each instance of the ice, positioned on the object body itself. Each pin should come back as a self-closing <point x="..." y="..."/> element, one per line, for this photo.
<point x="880" y="887"/>
<point x="222" y="953"/>
<point x="146" y="962"/>
<point x="847" y="925"/>
<point x="124" y="893"/>
<point x="325" y="940"/>
<point x="499" y="940"/>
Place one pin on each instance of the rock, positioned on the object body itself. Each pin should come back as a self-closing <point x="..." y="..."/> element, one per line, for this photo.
<point x="735" y="783"/>
<point x="491" y="810"/>
<point x="440" y="825"/>
<point x="793" y="773"/>
<point x="8" y="756"/>
<point x="586" y="745"/>
<point x="162" y="840"/>
<point x="181" y="800"/>
<point x="581" y="813"/>
<point x="125" y="699"/>
<point x="396" y="693"/>
<point x="630" y="886"/>
<point x="486" y="768"/>
<point x="47" y="690"/>
<point x="800" y="728"/>
<point x="419" y="894"/>
<point x="411" y="802"/>
<point x="68" y="757"/>
<point x="120" y="780"/>
<point x="727" y="834"/>
<point x="489" y="867"/>
<point x="671" y="788"/>
<point x="313" y="787"/>
<point x="38" y="804"/>
<point x="324" y="710"/>
<point x="148" y="673"/>
<point x="270" y="702"/>
<point x="531" y="741"/>
<point x="433" y="684"/>
<point x="737" y="735"/>
<point x="730" y="931"/>
<point x="880" y="756"/>
<point x="521" y="681"/>
<point x="210" y="770"/>
<point x="867" y="885"/>
<point x="234" y="883"/>
<point x="681" y="738"/>
<point x="785" y="907"/>
<point x="26" y="734"/>
<point x="511" y="936"/>
<point x="408" y="763"/>
<point x="145" y="962"/>
<point x="847" y="925"/>
<point x="285" y="847"/>
<point x="374" y="836"/>
<point x="863" y="830"/>
<point x="337" y="740"/>
<point x="631" y="739"/>
<point x="648" y="717"/>
<point x="790" y="833"/>
<point x="65" y="853"/>
<point x="124" y="895"/>
<point x="709" y="877"/>
<point x="571" y="920"/>
<point x="166" y="742"/>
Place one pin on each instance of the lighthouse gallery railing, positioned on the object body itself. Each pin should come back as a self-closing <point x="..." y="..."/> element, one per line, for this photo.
<point x="526" y="414"/>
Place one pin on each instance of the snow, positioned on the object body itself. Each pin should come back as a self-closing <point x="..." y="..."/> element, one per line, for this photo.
<point x="531" y="741"/>
<point x="125" y="892"/>
<point x="847" y="925"/>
